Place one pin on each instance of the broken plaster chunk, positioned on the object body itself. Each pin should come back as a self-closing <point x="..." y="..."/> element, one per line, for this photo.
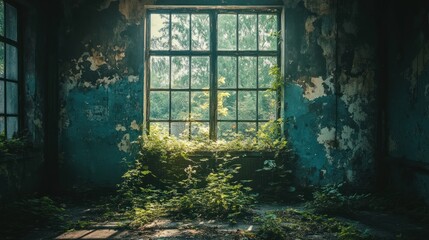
<point x="121" y="128"/>
<point x="134" y="125"/>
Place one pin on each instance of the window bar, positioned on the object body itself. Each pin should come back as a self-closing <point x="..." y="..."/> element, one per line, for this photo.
<point x="189" y="96"/>
<point x="189" y="78"/>
<point x="170" y="93"/>
<point x="147" y="72"/>
<point x="278" y="47"/>
<point x="6" y="117"/>
<point x="169" y="73"/>
<point x="236" y="74"/>
<point x="257" y="73"/>
<point x="213" y="76"/>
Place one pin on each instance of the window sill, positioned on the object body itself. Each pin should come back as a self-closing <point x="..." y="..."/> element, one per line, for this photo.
<point x="244" y="154"/>
<point x="26" y="156"/>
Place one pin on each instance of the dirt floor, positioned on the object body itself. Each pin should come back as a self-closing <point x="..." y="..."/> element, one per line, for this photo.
<point x="376" y="224"/>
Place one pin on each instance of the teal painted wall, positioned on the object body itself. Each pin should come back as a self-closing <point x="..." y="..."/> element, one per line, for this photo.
<point x="329" y="96"/>
<point x="408" y="97"/>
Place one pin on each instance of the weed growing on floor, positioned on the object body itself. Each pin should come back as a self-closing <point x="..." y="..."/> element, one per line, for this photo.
<point x="331" y="199"/>
<point x="294" y="224"/>
<point x="28" y="213"/>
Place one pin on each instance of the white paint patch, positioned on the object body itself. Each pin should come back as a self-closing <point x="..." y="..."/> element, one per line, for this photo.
<point x="350" y="175"/>
<point x="96" y="60"/>
<point x="121" y="128"/>
<point x="106" y="81"/>
<point x="314" y="90"/>
<point x="125" y="143"/>
<point x="346" y="141"/>
<point x="326" y="137"/>
<point x="133" y="78"/>
<point x="357" y="93"/>
<point x="38" y="123"/>
<point x="355" y="108"/>
<point x="88" y="85"/>
<point x="134" y="125"/>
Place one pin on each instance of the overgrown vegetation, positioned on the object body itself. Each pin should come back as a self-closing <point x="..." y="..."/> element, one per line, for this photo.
<point x="22" y="215"/>
<point x="14" y="145"/>
<point x="331" y="199"/>
<point x="294" y="224"/>
<point x="193" y="178"/>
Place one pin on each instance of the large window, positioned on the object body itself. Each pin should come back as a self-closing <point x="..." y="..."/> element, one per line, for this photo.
<point x="208" y="70"/>
<point x="9" y="79"/>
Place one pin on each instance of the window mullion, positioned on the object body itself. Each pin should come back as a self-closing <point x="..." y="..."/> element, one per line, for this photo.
<point x="213" y="75"/>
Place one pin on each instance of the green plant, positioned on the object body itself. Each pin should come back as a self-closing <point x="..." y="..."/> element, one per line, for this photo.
<point x="278" y="82"/>
<point x="169" y="177"/>
<point x="330" y="199"/>
<point x="220" y="198"/>
<point x="14" y="145"/>
<point x="271" y="227"/>
<point x="22" y="215"/>
<point x="351" y="233"/>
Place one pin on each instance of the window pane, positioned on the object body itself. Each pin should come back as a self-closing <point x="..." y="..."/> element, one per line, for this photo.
<point x="2" y="96"/>
<point x="160" y="36"/>
<point x="226" y="130"/>
<point x="247" y="105"/>
<point x="11" y="98"/>
<point x="264" y="65"/>
<point x="179" y="72"/>
<point x="227" y="29"/>
<point x="247" y="72"/>
<point x="1" y="18"/>
<point x="200" y="32"/>
<point x="1" y="59"/>
<point x="247" y="32"/>
<point x="162" y="126"/>
<point x="227" y="72"/>
<point x="200" y="105"/>
<point x="267" y="32"/>
<point x="11" y="22"/>
<point x="226" y="101"/>
<point x="180" y="129"/>
<point x="267" y="105"/>
<point x="2" y="124"/>
<point x="247" y="128"/>
<point x="180" y="31"/>
<point x="200" y="130"/>
<point x="12" y="126"/>
<point x="179" y="105"/>
<point x="159" y="72"/>
<point x="200" y="73"/>
<point x="11" y="62"/>
<point x="159" y="105"/>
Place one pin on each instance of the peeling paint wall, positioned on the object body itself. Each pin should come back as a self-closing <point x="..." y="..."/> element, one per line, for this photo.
<point x="330" y="94"/>
<point x="101" y="89"/>
<point x="408" y="100"/>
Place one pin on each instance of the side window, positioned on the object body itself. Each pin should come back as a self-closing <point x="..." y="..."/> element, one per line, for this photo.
<point x="9" y="79"/>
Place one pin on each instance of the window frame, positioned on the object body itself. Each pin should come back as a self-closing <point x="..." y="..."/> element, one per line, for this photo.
<point x="213" y="53"/>
<point x="18" y="44"/>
